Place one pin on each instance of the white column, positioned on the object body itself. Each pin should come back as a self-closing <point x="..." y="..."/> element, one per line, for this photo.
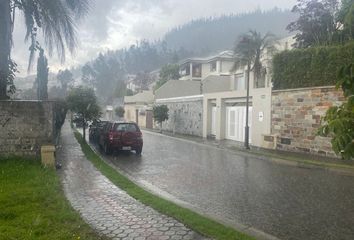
<point x="220" y="119"/>
<point x="218" y="63"/>
<point x="191" y="70"/>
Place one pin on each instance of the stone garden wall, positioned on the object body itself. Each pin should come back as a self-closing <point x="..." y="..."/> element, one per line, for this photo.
<point x="25" y="126"/>
<point x="185" y="115"/>
<point x="296" y="116"/>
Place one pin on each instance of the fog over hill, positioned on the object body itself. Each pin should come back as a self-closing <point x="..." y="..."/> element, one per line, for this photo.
<point x="112" y="25"/>
<point x="200" y="37"/>
<point x="208" y="35"/>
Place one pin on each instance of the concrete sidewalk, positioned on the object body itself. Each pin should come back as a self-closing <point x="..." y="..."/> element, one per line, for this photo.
<point x="108" y="209"/>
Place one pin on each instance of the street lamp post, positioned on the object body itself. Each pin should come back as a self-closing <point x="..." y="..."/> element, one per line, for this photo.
<point x="247" y="128"/>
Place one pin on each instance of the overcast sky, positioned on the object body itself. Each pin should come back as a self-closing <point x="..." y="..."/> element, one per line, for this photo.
<point x="113" y="24"/>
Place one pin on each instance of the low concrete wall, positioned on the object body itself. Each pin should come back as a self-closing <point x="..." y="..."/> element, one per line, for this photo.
<point x="185" y="115"/>
<point x="296" y="116"/>
<point x="25" y="126"/>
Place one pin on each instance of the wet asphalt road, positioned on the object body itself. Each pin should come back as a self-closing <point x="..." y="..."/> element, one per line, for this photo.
<point x="284" y="201"/>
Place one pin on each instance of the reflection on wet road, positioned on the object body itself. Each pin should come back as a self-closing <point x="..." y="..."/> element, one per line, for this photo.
<point x="284" y="201"/>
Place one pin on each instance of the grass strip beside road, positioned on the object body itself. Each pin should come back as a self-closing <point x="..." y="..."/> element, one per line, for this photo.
<point x="195" y="221"/>
<point x="33" y="205"/>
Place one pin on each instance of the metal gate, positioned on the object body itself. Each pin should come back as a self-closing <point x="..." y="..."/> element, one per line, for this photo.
<point x="236" y="122"/>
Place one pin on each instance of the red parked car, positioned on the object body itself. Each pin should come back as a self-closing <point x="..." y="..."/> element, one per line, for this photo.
<point x="121" y="136"/>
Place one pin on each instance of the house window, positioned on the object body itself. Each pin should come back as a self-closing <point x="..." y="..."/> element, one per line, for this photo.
<point x="197" y="70"/>
<point x="260" y="81"/>
<point x="213" y="66"/>
<point x="185" y="70"/>
<point x="240" y="83"/>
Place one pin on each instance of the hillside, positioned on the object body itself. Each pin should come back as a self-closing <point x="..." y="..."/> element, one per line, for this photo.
<point x="200" y="37"/>
<point x="206" y="36"/>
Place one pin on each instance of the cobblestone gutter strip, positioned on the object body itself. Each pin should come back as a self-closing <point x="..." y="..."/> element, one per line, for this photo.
<point x="191" y="219"/>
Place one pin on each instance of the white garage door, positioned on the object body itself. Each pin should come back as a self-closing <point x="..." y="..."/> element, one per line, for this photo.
<point x="236" y="122"/>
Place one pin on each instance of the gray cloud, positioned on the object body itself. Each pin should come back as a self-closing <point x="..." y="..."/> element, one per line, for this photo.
<point x="114" y="24"/>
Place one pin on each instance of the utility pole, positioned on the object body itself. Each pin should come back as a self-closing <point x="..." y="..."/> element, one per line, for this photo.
<point x="247" y="128"/>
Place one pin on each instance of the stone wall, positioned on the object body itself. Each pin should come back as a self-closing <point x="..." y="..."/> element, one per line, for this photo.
<point x="185" y="115"/>
<point x="296" y="116"/>
<point x="25" y="126"/>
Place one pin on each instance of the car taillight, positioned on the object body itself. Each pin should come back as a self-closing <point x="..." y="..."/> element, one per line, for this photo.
<point x="110" y="136"/>
<point x="139" y="135"/>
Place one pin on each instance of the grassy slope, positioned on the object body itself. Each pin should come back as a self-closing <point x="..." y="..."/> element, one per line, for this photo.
<point x="33" y="206"/>
<point x="193" y="220"/>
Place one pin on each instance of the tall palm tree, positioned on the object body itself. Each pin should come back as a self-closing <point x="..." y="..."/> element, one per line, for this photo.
<point x="248" y="52"/>
<point x="55" y="19"/>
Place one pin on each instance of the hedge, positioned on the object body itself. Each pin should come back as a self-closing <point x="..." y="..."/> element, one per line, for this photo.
<point x="310" y="67"/>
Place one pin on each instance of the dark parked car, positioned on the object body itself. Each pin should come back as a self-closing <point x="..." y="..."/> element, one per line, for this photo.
<point x="95" y="130"/>
<point x="121" y="136"/>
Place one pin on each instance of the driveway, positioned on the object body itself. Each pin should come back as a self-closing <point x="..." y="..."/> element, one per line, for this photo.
<point x="284" y="201"/>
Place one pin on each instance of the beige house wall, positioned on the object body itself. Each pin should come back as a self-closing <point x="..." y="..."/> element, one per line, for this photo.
<point x="142" y="120"/>
<point x="177" y="88"/>
<point x="226" y="66"/>
<point x="130" y="113"/>
<point x="260" y="100"/>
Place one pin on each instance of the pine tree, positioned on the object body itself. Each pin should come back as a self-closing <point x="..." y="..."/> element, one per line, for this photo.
<point x="42" y="76"/>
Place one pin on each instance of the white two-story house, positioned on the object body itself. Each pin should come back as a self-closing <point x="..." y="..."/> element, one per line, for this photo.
<point x="197" y="69"/>
<point x="221" y="90"/>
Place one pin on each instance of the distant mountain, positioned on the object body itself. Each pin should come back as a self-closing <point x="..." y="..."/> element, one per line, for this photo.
<point x="198" y="38"/>
<point x="210" y="35"/>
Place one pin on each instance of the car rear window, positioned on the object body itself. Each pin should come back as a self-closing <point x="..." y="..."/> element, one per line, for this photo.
<point x="107" y="126"/>
<point x="126" y="127"/>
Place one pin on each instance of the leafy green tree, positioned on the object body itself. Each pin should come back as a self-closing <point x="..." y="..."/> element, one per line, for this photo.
<point x="121" y="89"/>
<point x="56" y="19"/>
<point x="129" y="92"/>
<point x="119" y="111"/>
<point x="42" y="76"/>
<point x="316" y="24"/>
<point x="83" y="101"/>
<point x="65" y="77"/>
<point x="339" y="121"/>
<point x="160" y="113"/>
<point x="88" y="75"/>
<point x="167" y="72"/>
<point x="346" y="18"/>
<point x="28" y="94"/>
<point x="142" y="81"/>
<point x="55" y="93"/>
<point x="103" y="74"/>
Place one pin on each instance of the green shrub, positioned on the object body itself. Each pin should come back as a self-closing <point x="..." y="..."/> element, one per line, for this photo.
<point x="310" y="67"/>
